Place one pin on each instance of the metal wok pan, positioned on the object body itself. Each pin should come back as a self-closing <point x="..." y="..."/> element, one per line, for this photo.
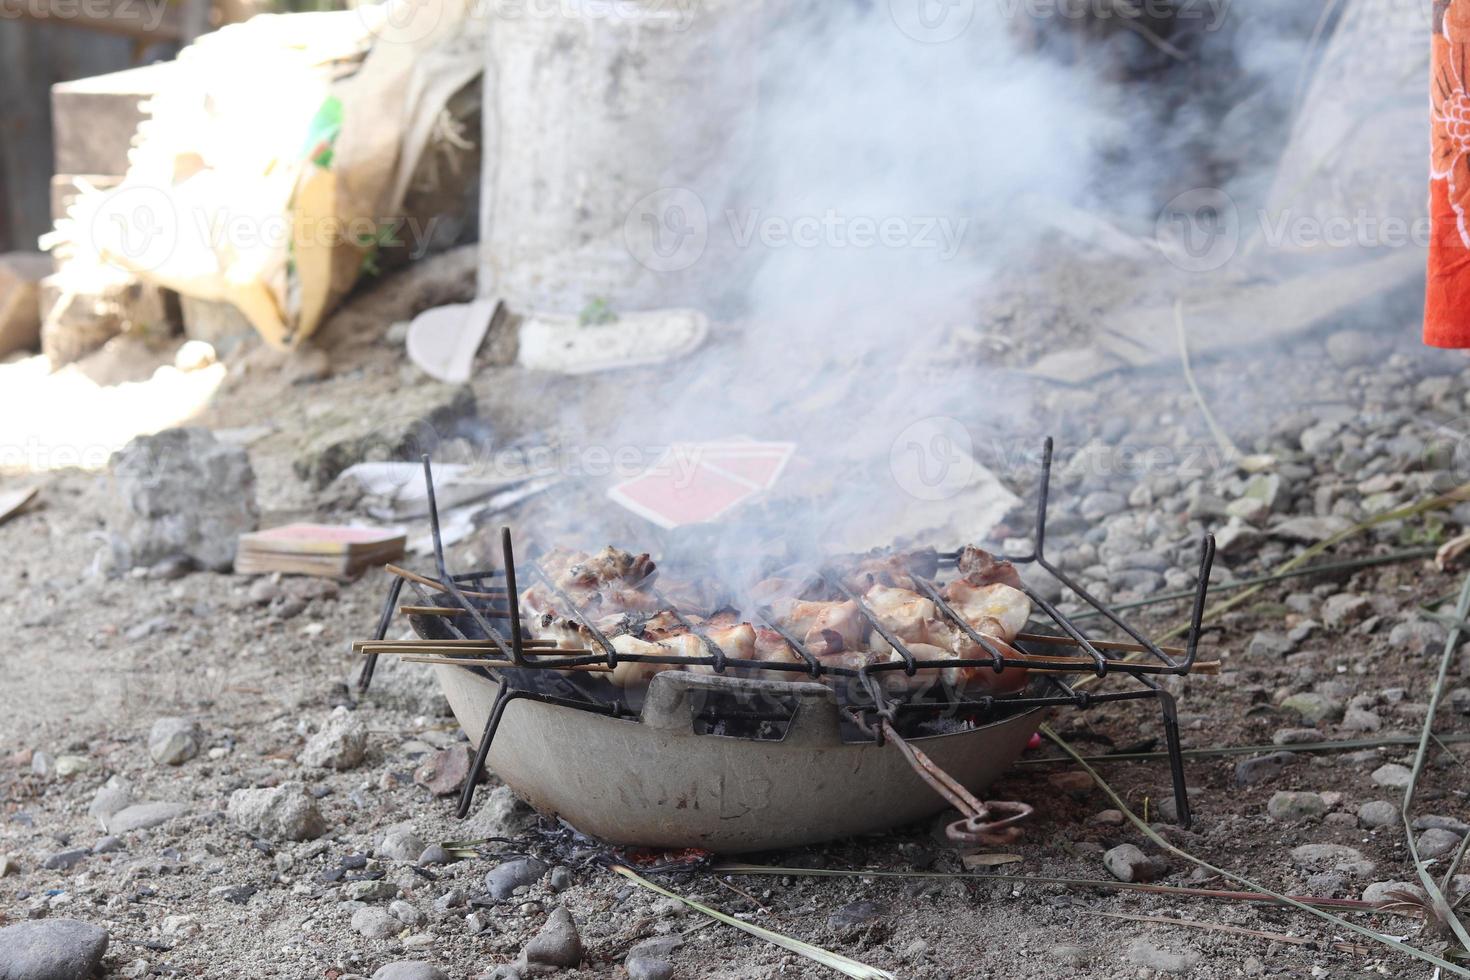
<point x="659" y="782"/>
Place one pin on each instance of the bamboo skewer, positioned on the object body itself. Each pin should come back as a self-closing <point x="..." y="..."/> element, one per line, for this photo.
<point x="1067" y="641"/>
<point x="430" y="611"/>
<point x="474" y="661"/>
<point x="389" y="646"/>
<point x="405" y="574"/>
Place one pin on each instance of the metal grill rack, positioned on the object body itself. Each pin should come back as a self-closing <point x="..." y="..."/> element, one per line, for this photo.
<point x="480" y="612"/>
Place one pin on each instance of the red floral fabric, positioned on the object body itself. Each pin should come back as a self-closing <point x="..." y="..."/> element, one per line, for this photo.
<point x="1447" y="299"/>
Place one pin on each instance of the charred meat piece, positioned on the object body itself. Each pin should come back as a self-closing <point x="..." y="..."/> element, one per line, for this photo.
<point x="979" y="567"/>
<point x="895" y="569"/>
<point x="995" y="609"/>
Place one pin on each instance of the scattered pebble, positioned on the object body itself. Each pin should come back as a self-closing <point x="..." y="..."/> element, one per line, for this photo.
<point x="445" y="772"/>
<point x="173" y="741"/>
<point x="340" y="744"/>
<point x="505" y="878"/>
<point x="51" y="949"/>
<point x="1377" y="814"/>
<point x="1295" y="807"/>
<point x="409" y="970"/>
<point x="558" y="943"/>
<point x="1150" y="956"/>
<point x="283" y="812"/>
<point x="651" y="959"/>
<point x="1436" y="842"/>
<point x="375" y="923"/>
<point x="1127" y="862"/>
<point x="1391" y="775"/>
<point x="1261" y="768"/>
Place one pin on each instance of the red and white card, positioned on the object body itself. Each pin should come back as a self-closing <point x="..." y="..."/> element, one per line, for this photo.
<point x="698" y="482"/>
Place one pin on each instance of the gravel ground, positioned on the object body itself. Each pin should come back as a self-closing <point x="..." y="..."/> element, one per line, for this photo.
<point x="256" y="669"/>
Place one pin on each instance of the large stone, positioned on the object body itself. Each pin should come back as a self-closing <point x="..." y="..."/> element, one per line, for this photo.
<point x="650" y="959"/>
<point x="173" y="741"/>
<point x="143" y="816"/>
<point x="557" y="944"/>
<point x="181" y="493"/>
<point x="444" y="773"/>
<point x="400" y="844"/>
<point x="1127" y="862"/>
<point x="416" y="421"/>
<point x="111" y="797"/>
<point x="1391" y="775"/>
<point x="340" y="744"/>
<point x="283" y="812"/>
<point x="1437" y="842"/>
<point x="1261" y="768"/>
<point x="375" y="923"/>
<point x="1345" y="609"/>
<point x="409" y="970"/>
<point x="505" y="878"/>
<point x="1313" y="707"/>
<point x="1292" y="807"/>
<point x="20" y="304"/>
<point x="51" y="949"/>
<point x="1377" y="814"/>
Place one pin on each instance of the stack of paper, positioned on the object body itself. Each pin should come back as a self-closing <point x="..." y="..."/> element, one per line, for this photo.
<point x="335" y="551"/>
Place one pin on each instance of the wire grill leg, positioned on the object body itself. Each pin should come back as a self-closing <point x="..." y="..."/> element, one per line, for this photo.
<point x="365" y="678"/>
<point x="467" y="795"/>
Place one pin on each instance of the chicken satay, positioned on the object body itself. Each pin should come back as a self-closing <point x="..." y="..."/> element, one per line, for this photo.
<point x="631" y="674"/>
<point x="996" y="608"/>
<point x="979" y="567"/>
<point x="811" y="620"/>
<point x="906" y="614"/>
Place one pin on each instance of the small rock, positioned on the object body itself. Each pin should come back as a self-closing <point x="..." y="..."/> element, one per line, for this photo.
<point x="1331" y="857"/>
<point x="1377" y="814"/>
<point x="180" y="493"/>
<point x="1436" y="842"/>
<point x="559" y="880"/>
<point x="1127" y="862"/>
<point x="1458" y="827"/>
<point x="503" y="814"/>
<point x="409" y="970"/>
<point x="476" y="923"/>
<point x="375" y="923"/>
<point x="1419" y="637"/>
<point x="1100" y="504"/>
<point x="341" y="744"/>
<point x="406" y="913"/>
<point x="1313" y="707"/>
<point x="855" y="915"/>
<point x="1344" y="610"/>
<point x="1108" y="818"/>
<point x="400" y="844"/>
<point x="1237" y="537"/>
<point x="1150" y="956"/>
<point x="557" y="944"/>
<point x="1261" y="768"/>
<point x="445" y="772"/>
<point x="1310" y="530"/>
<point x="173" y="741"/>
<point x="284" y="812"/>
<point x="65" y="860"/>
<point x="1379" y="891"/>
<point x="111" y="797"/>
<point x="649" y="960"/>
<point x="1270" y="645"/>
<point x="1296" y="736"/>
<point x="1391" y="775"/>
<point x="369" y="891"/>
<point x="51" y="949"/>
<point x="109" y="844"/>
<point x="434" y="854"/>
<point x="69" y="765"/>
<point x="143" y="816"/>
<point x="503" y="879"/>
<point x="1294" y="807"/>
